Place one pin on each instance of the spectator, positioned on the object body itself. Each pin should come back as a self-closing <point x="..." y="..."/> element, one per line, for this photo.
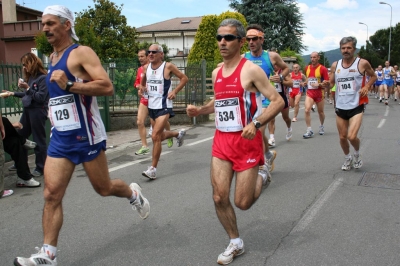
<point x="35" y="99"/>
<point x="3" y="193"/>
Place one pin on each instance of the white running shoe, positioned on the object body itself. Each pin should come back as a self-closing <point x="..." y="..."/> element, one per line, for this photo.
<point x="38" y="259"/>
<point x="29" y="144"/>
<point x="321" y="130"/>
<point x="269" y="163"/>
<point x="27" y="183"/>
<point x="141" y="204"/>
<point x="357" y="162"/>
<point x="150" y="131"/>
<point x="230" y="252"/>
<point x="7" y="192"/>
<point x="265" y="174"/>
<point x="289" y="135"/>
<point x="313" y="108"/>
<point x="271" y="143"/>
<point x="150" y="173"/>
<point x="347" y="164"/>
<point x="180" y="138"/>
<point x="308" y="134"/>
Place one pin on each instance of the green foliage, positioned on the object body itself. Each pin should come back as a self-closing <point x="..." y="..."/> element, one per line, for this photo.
<point x="280" y="19"/>
<point x="123" y="80"/>
<point x="105" y="30"/>
<point x="323" y="60"/>
<point x="290" y="53"/>
<point x="42" y="44"/>
<point x="146" y="45"/>
<point x="378" y="48"/>
<point x="205" y="45"/>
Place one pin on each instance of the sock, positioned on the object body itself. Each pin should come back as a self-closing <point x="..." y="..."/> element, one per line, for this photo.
<point x="309" y="129"/>
<point x="289" y="129"/>
<point x="272" y="136"/>
<point x="50" y="250"/>
<point x="236" y="241"/>
<point x="348" y="156"/>
<point x="356" y="153"/>
<point x="134" y="196"/>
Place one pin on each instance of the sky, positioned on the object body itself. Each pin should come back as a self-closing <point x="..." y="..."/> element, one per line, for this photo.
<point x="326" y="21"/>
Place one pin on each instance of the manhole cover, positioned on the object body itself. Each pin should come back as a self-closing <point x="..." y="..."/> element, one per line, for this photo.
<point x="380" y="180"/>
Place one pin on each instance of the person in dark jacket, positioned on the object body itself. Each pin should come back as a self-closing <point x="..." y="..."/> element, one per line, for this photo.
<point x="35" y="98"/>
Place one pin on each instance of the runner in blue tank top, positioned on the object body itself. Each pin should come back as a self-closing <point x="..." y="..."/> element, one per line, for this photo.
<point x="78" y="134"/>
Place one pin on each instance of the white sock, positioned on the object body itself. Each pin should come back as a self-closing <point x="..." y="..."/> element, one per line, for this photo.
<point x="356" y="153"/>
<point x="50" y="250"/>
<point x="289" y="129"/>
<point x="236" y="241"/>
<point x="272" y="136"/>
<point x="309" y="129"/>
<point x="348" y="156"/>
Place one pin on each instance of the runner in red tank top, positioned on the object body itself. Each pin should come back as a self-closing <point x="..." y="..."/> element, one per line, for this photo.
<point x="295" y="94"/>
<point x="237" y="145"/>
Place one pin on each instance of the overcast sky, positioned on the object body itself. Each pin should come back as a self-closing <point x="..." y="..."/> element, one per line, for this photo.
<point x="326" y="21"/>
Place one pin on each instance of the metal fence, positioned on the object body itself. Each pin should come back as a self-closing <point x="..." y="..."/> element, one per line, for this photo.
<point x="125" y="98"/>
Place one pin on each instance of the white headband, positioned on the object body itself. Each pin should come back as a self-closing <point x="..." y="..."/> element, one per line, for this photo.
<point x="64" y="12"/>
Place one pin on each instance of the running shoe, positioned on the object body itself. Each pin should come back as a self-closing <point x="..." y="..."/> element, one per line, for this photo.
<point x="150" y="173"/>
<point x="27" y="183"/>
<point x="150" y="131"/>
<point x="330" y="101"/>
<point x="347" y="164"/>
<point x="37" y="173"/>
<point x="380" y="99"/>
<point x="265" y="174"/>
<point x="308" y="134"/>
<point x="386" y="102"/>
<point x="170" y="143"/>
<point x="230" y="252"/>
<point x="40" y="258"/>
<point x="395" y="99"/>
<point x="357" y="162"/>
<point x="269" y="163"/>
<point x="180" y="138"/>
<point x="313" y="108"/>
<point x="140" y="204"/>
<point x="12" y="168"/>
<point x="7" y="193"/>
<point x="294" y="119"/>
<point x="271" y="143"/>
<point x="29" y="144"/>
<point x="143" y="150"/>
<point x="321" y="130"/>
<point x="289" y="135"/>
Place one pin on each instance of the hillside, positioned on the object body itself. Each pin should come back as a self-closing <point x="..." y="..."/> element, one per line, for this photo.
<point x="331" y="56"/>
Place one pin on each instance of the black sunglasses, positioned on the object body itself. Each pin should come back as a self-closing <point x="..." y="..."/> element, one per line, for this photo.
<point x="228" y="37"/>
<point x="152" y="52"/>
<point x="252" y="38"/>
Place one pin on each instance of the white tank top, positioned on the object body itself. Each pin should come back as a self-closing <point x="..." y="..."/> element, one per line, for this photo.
<point x="158" y="88"/>
<point x="348" y="85"/>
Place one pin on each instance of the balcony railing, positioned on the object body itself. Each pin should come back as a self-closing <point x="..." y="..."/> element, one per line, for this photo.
<point x="20" y="29"/>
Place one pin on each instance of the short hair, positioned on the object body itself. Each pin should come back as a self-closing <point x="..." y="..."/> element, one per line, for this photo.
<point x="143" y="50"/>
<point x="234" y="23"/>
<point x="159" y="47"/>
<point x="254" y="27"/>
<point x="351" y="39"/>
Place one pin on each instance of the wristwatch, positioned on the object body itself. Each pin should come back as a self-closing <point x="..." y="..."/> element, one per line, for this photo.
<point x="281" y="77"/>
<point x="256" y="123"/>
<point x="69" y="85"/>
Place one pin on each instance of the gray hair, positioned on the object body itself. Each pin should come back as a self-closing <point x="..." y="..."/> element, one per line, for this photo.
<point x="62" y="20"/>
<point x="347" y="40"/>
<point x="231" y="22"/>
<point x="159" y="47"/>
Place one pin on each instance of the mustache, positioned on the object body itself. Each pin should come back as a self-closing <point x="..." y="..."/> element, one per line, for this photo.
<point x="48" y="34"/>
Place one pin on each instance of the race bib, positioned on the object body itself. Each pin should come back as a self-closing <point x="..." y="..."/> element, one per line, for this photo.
<point x="347" y="86"/>
<point x="387" y="76"/>
<point x="227" y="115"/>
<point x="278" y="87"/>
<point x="63" y="113"/>
<point x="312" y="81"/>
<point x="154" y="88"/>
<point x="296" y="84"/>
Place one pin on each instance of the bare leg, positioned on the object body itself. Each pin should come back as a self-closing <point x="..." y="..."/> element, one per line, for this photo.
<point x="308" y="104"/>
<point x="143" y="112"/>
<point x="320" y="107"/>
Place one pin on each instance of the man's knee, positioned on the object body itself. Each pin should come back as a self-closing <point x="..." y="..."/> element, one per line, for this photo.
<point x="103" y="190"/>
<point x="244" y="203"/>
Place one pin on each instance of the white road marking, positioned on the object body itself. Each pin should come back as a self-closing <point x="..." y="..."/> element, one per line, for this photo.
<point x="134" y="162"/>
<point x="381" y="123"/>
<point x="200" y="141"/>
<point x="387" y="111"/>
<point x="316" y="207"/>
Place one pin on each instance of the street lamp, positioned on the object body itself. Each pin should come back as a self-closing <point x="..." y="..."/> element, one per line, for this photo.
<point x="390" y="30"/>
<point x="367" y="33"/>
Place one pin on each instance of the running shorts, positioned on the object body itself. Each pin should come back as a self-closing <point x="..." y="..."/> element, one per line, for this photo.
<point x="347" y="114"/>
<point x="242" y="153"/>
<point x="388" y="82"/>
<point x="316" y="95"/>
<point x="76" y="153"/>
<point x="144" y="101"/>
<point x="154" y="113"/>
<point x="294" y="93"/>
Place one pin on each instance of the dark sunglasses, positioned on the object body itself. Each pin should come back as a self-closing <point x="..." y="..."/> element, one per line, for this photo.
<point x="152" y="52"/>
<point x="228" y="37"/>
<point x="252" y="39"/>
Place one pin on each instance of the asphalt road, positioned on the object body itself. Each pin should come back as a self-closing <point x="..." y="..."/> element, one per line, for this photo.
<point x="313" y="213"/>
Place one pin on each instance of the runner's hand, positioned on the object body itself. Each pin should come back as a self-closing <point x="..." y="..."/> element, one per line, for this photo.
<point x="60" y="78"/>
<point x="249" y="131"/>
<point x="192" y="110"/>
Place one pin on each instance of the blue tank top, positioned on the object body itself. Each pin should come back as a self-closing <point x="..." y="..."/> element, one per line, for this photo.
<point x="263" y="61"/>
<point x="75" y="118"/>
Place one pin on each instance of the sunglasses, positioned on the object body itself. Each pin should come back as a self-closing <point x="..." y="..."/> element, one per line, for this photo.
<point x="152" y="52"/>
<point x="228" y="37"/>
<point x="252" y="39"/>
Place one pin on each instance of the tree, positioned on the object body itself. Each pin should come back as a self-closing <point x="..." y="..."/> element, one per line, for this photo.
<point x="205" y="45"/>
<point x="105" y="30"/>
<point x="379" y="47"/>
<point x="280" y="19"/>
<point x="323" y="60"/>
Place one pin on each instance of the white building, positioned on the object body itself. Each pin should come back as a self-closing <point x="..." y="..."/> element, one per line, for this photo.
<point x="177" y="33"/>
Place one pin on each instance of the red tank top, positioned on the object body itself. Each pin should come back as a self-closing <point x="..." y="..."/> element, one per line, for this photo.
<point x="234" y="106"/>
<point x="296" y="80"/>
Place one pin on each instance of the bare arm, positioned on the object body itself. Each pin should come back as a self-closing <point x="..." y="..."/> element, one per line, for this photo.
<point x="366" y="68"/>
<point x="183" y="79"/>
<point x="332" y="75"/>
<point x="277" y="60"/>
<point x="84" y="64"/>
